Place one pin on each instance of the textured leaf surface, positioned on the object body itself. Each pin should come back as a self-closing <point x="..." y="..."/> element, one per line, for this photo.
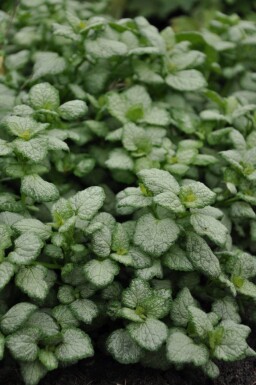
<point x="210" y="227"/>
<point x="41" y="191"/>
<point x="196" y="195"/>
<point x="86" y="203"/>
<point x="180" y="307"/>
<point x="7" y="271"/>
<point x="32" y="281"/>
<point x="201" y="256"/>
<point x="182" y="350"/>
<point x="31" y="225"/>
<point x="48" y="63"/>
<point x="72" y="110"/>
<point x="32" y="372"/>
<point x="23" y="344"/>
<point x="159" y="181"/>
<point x="101" y="273"/>
<point x="200" y="321"/>
<point x="155" y="236"/>
<point x="150" y="335"/>
<point x="76" y="345"/>
<point x="123" y="348"/>
<point x="16" y="316"/>
<point x="44" y="96"/>
<point x="27" y="249"/>
<point x="84" y="310"/>
<point x="186" y="80"/>
<point x="233" y="344"/>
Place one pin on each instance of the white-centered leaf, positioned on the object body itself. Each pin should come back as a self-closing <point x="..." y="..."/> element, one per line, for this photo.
<point x="38" y="189"/>
<point x="155" y="236"/>
<point x="101" y="273"/>
<point x="16" y="316"/>
<point x="86" y="203"/>
<point x="150" y="334"/>
<point x="181" y="349"/>
<point x="27" y="248"/>
<point x="32" y="281"/>
<point x="123" y="348"/>
<point x="186" y="80"/>
<point x="76" y="345"/>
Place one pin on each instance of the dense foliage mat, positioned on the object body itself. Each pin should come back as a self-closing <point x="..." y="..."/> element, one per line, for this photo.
<point x="127" y="189"/>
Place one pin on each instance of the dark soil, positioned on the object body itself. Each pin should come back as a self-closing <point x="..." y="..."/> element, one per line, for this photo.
<point x="104" y="371"/>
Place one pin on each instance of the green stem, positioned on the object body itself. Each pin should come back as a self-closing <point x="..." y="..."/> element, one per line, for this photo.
<point x="51" y="266"/>
<point x="227" y="202"/>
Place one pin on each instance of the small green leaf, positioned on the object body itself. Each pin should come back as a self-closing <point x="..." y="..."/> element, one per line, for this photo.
<point x="176" y="259"/>
<point x="208" y="226"/>
<point x="86" y="203"/>
<point x="131" y="199"/>
<point x="227" y="309"/>
<point x="158" y="181"/>
<point x="186" y="80"/>
<point x="150" y="334"/>
<point x="155" y="236"/>
<point x="34" y="149"/>
<point x="232" y="346"/>
<point x="44" y="96"/>
<point x="156" y="306"/>
<point x="138" y="291"/>
<point x="38" y="189"/>
<point x="47" y="63"/>
<point x="169" y="201"/>
<point x="211" y="369"/>
<point x="179" y="307"/>
<point x="23" y="344"/>
<point x="247" y="288"/>
<point x="101" y="242"/>
<point x="64" y="316"/>
<point x="181" y="349"/>
<point x="199" y="321"/>
<point x="196" y="195"/>
<point x="201" y="256"/>
<point x="119" y="159"/>
<point x="72" y="110"/>
<point x="154" y="271"/>
<point x="32" y="281"/>
<point x="123" y="348"/>
<point x="32" y="372"/>
<point x="242" y="210"/>
<point x="101" y="273"/>
<point x="7" y="271"/>
<point x="16" y="316"/>
<point x="131" y="314"/>
<point x="44" y="323"/>
<point x="135" y="139"/>
<point x="66" y="294"/>
<point x="102" y="48"/>
<point x="48" y="359"/>
<point x="120" y="241"/>
<point x="84" y="310"/>
<point x="76" y="345"/>
<point x="27" y="248"/>
<point x="24" y="127"/>
<point x="32" y="225"/>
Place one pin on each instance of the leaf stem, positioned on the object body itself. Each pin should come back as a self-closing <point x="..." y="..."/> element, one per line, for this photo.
<point x="51" y="266"/>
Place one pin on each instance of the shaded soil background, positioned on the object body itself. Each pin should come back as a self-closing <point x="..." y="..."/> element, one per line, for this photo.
<point x="104" y="371"/>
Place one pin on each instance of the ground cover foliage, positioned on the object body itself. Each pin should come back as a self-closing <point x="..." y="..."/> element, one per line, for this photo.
<point x="127" y="189"/>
